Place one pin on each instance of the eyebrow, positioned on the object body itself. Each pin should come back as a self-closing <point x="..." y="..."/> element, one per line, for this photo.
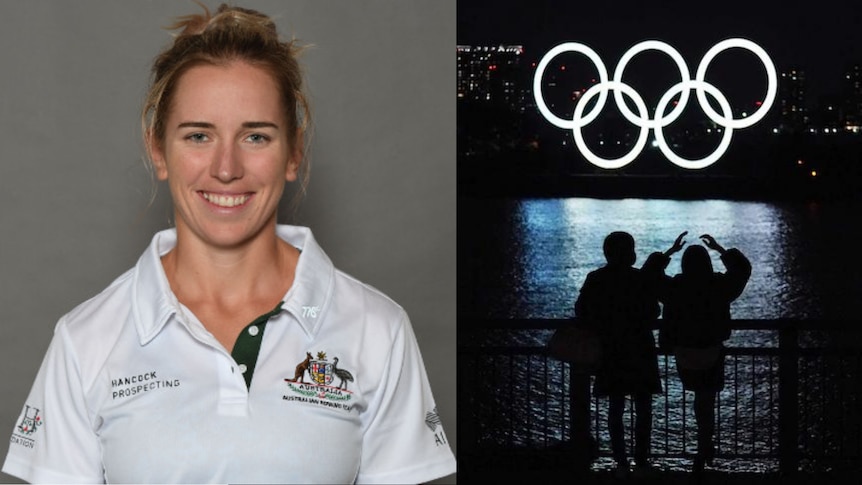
<point x="247" y="124"/>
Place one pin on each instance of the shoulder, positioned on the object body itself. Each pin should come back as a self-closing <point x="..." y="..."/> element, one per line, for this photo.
<point x="88" y="333"/>
<point x="356" y="300"/>
<point x="103" y="311"/>
<point x="367" y="324"/>
<point x="598" y="274"/>
<point x="656" y="261"/>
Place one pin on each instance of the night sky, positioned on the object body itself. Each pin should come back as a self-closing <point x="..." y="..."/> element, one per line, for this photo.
<point x="822" y="37"/>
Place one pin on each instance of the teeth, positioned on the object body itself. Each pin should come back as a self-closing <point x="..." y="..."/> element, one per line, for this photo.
<point x="226" y="200"/>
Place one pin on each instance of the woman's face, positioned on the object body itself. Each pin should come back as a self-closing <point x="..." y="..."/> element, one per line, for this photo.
<point x="226" y="153"/>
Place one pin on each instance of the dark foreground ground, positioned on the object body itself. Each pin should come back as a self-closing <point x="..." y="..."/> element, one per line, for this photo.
<point x="535" y="467"/>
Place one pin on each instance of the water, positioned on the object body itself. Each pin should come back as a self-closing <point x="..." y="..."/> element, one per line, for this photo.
<point x="527" y="258"/>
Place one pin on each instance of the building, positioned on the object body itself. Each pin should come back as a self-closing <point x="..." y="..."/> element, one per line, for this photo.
<point x="852" y="95"/>
<point x="493" y="74"/>
<point x="794" y="113"/>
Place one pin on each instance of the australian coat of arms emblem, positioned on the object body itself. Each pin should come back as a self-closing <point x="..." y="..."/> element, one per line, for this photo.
<point x="328" y="383"/>
<point x="321" y="371"/>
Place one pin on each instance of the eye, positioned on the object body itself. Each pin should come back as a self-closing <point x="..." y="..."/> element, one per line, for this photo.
<point x="257" y="138"/>
<point x="197" y="137"/>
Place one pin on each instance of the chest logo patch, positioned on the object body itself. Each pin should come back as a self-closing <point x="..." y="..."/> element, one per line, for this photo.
<point x="328" y="384"/>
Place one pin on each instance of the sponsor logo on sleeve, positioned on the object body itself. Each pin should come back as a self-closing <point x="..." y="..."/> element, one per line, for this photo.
<point x="24" y="433"/>
<point x="432" y="420"/>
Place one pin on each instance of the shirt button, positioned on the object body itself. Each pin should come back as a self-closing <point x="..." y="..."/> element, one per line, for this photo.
<point x="243" y="368"/>
<point x="253" y="330"/>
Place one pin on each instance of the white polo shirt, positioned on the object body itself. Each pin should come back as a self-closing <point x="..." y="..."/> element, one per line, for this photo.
<point x="134" y="389"/>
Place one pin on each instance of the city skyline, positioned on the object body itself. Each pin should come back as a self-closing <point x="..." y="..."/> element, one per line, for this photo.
<point x="819" y="94"/>
<point x="824" y="41"/>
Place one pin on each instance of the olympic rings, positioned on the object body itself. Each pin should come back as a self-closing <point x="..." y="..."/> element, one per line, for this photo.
<point x="537" y="83"/>
<point x="660" y="121"/>
<point x="680" y="63"/>
<point x="725" y="139"/>
<point x="642" y="138"/>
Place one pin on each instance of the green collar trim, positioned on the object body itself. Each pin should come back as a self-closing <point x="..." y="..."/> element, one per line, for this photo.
<point x="247" y="347"/>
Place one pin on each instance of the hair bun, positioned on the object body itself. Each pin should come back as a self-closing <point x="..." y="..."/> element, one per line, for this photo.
<point x="226" y="17"/>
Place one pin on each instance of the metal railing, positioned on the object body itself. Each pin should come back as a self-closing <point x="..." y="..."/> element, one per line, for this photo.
<point x="792" y="400"/>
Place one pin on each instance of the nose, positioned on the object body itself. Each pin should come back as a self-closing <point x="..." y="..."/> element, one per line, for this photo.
<point x="226" y="165"/>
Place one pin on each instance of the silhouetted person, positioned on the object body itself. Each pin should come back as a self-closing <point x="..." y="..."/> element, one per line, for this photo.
<point x="695" y="325"/>
<point x="619" y="302"/>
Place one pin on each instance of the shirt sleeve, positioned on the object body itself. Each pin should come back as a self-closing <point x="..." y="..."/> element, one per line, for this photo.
<point x="404" y="440"/>
<point x="53" y="440"/>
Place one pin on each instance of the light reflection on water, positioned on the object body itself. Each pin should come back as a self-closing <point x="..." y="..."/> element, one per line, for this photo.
<point x="527" y="258"/>
<point x="556" y="242"/>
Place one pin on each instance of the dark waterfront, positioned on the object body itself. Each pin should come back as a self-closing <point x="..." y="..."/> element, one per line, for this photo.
<point x="526" y="258"/>
<point x="534" y="206"/>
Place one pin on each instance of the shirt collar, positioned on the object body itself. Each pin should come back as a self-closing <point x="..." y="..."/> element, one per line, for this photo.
<point x="153" y="302"/>
<point x="309" y="297"/>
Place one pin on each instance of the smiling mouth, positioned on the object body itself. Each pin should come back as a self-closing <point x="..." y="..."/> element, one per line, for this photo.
<point x="225" y="200"/>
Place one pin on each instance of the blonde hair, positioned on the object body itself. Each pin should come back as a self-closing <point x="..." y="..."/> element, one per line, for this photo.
<point x="231" y="34"/>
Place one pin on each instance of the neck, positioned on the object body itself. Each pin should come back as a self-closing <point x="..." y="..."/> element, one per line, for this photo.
<point x="259" y="269"/>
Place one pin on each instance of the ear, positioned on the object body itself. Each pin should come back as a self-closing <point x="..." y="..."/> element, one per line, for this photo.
<point x="157" y="155"/>
<point x="295" y="161"/>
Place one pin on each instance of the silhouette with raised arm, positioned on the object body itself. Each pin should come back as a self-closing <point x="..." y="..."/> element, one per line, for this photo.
<point x="620" y="304"/>
<point x="695" y="317"/>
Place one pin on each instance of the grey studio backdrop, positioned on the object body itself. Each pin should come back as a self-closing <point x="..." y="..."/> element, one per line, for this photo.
<point x="74" y="204"/>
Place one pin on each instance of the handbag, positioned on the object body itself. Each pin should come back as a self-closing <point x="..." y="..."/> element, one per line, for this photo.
<point x="576" y="345"/>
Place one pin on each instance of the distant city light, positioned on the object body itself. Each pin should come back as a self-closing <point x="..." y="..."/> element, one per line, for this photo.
<point x="814" y="173"/>
<point x="799" y="162"/>
<point x="492" y="73"/>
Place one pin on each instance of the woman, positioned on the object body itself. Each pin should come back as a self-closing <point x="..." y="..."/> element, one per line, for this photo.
<point x="233" y="351"/>
<point x="696" y="311"/>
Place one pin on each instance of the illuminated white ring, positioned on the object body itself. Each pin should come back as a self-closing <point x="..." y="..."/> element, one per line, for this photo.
<point x="602" y="89"/>
<point x="771" y="87"/>
<point x="537" y="85"/>
<point x="660" y="121"/>
<point x="684" y="77"/>
<point x="725" y="139"/>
